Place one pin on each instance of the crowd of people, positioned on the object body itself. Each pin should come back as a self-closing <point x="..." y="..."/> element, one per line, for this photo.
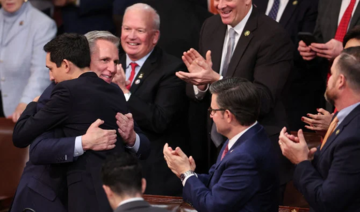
<point x="112" y="108"/>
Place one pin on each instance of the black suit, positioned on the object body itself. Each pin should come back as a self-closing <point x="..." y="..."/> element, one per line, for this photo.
<point x="138" y="206"/>
<point x="265" y="58"/>
<point x="306" y="84"/>
<point x="159" y="106"/>
<point x="73" y="106"/>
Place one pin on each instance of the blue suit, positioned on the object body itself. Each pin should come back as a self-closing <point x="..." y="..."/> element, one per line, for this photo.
<point x="331" y="182"/>
<point x="245" y="180"/>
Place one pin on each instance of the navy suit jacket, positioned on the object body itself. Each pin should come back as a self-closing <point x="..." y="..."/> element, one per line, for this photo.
<point x="245" y="180"/>
<point x="331" y="182"/>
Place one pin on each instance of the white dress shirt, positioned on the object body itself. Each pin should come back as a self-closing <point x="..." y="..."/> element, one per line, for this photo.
<point x="282" y="7"/>
<point x="344" y="5"/>
<point x="131" y="200"/>
<point x="238" y="29"/>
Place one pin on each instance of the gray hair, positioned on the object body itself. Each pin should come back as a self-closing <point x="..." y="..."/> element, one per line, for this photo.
<point x="147" y="8"/>
<point x="93" y="36"/>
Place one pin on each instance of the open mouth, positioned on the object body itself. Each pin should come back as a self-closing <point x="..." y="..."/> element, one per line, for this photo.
<point x="133" y="44"/>
<point x="107" y="78"/>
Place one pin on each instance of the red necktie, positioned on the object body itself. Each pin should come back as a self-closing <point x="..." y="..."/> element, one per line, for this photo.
<point x="344" y="23"/>
<point x="132" y="74"/>
<point x="225" y="151"/>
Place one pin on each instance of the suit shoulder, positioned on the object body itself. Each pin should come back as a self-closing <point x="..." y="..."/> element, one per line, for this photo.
<point x="267" y="24"/>
<point x="213" y="22"/>
<point x="39" y="18"/>
<point x="170" y="61"/>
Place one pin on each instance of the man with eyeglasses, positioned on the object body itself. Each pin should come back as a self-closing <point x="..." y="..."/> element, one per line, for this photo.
<point x="244" y="177"/>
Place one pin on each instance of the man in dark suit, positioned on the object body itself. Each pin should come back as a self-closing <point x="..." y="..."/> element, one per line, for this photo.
<point x="244" y="177"/>
<point x="124" y="184"/>
<point x="73" y="106"/>
<point x="330" y="182"/>
<point x="155" y="96"/>
<point x="306" y="84"/>
<point x="242" y="42"/>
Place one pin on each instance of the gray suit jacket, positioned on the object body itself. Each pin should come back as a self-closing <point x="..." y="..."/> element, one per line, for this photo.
<point x="327" y="21"/>
<point x="22" y="58"/>
<point x="138" y="206"/>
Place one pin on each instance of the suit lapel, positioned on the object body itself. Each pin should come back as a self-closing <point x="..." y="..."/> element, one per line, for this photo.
<point x="19" y="25"/>
<point x="217" y="47"/>
<point x="261" y="5"/>
<point x="289" y="11"/>
<point x="339" y="129"/>
<point x="243" y="42"/>
<point x="356" y="17"/>
<point x="334" y="17"/>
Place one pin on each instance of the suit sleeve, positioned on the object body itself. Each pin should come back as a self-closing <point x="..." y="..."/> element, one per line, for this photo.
<point x="238" y="183"/>
<point x="39" y="77"/>
<point x="169" y="101"/>
<point x="46" y="149"/>
<point x="55" y="112"/>
<point x="273" y="65"/>
<point x="144" y="149"/>
<point x="309" y="19"/>
<point x="337" y="190"/>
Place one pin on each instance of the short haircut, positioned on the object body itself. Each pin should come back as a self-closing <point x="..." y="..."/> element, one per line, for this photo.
<point x="353" y="33"/>
<point x="69" y="46"/>
<point x="240" y="97"/>
<point x="122" y="173"/>
<point x="349" y="65"/>
<point x="93" y="36"/>
<point x="147" y="8"/>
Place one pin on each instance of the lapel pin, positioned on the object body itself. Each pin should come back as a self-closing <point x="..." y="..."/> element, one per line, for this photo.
<point x="231" y="151"/>
<point x="337" y="132"/>
<point x="295" y="2"/>
<point x="137" y="82"/>
<point x="247" y="33"/>
<point x="21" y="23"/>
<point x="141" y="75"/>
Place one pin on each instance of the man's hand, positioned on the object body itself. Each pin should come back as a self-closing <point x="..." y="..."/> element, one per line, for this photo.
<point x="98" y="139"/>
<point x="200" y="70"/>
<point x="177" y="161"/>
<point x="294" y="148"/>
<point x="120" y="79"/>
<point x="319" y="122"/>
<point x="17" y="113"/>
<point x="126" y="128"/>
<point x="305" y="51"/>
<point x="328" y="50"/>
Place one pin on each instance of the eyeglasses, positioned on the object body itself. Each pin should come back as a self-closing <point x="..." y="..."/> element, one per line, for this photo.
<point x="213" y="111"/>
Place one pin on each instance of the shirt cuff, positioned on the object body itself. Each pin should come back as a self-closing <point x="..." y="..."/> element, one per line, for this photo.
<point x="199" y="94"/>
<point x="78" y="150"/>
<point x="136" y="146"/>
<point x="187" y="177"/>
<point x="127" y="96"/>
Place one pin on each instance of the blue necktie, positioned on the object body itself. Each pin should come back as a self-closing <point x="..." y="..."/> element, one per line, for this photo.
<point x="274" y="10"/>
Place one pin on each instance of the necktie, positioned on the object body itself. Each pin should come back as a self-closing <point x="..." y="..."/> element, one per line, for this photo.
<point x="330" y="130"/>
<point x="274" y="9"/>
<point x="344" y="23"/>
<point x="229" y="51"/>
<point x="225" y="152"/>
<point x="132" y="74"/>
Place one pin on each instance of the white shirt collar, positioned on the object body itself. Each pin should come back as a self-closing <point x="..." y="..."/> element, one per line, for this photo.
<point x="131" y="200"/>
<point x="139" y="62"/>
<point x="240" y="26"/>
<point x="236" y="137"/>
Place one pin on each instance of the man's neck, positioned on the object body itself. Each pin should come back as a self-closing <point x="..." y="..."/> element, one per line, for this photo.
<point x="76" y="74"/>
<point x="347" y="99"/>
<point x="236" y="130"/>
<point x="121" y="199"/>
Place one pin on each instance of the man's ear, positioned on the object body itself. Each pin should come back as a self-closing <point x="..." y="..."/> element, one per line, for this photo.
<point x="341" y="81"/>
<point x="228" y="116"/>
<point x="143" y="185"/>
<point x="156" y="37"/>
<point x="108" y="191"/>
<point x="66" y="65"/>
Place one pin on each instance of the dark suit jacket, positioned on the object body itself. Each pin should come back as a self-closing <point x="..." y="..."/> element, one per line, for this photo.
<point x="246" y="179"/>
<point x="265" y="57"/>
<point x="73" y="106"/>
<point x="159" y="106"/>
<point x="330" y="183"/>
<point x="138" y="206"/>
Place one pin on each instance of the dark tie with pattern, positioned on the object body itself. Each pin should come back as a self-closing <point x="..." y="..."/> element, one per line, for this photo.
<point x="274" y="9"/>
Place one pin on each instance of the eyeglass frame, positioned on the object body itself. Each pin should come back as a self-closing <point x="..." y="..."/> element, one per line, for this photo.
<point x="213" y="111"/>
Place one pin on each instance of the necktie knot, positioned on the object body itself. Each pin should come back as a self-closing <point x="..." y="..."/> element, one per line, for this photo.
<point x="133" y="65"/>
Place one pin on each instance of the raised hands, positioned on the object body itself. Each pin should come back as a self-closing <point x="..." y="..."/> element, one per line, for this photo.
<point x="126" y="128"/>
<point x="319" y="122"/>
<point x="120" y="79"/>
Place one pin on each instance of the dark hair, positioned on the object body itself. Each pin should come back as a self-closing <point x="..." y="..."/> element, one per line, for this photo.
<point x="122" y="173"/>
<point x="69" y="46"/>
<point x="352" y="33"/>
<point x="349" y="65"/>
<point x="240" y="97"/>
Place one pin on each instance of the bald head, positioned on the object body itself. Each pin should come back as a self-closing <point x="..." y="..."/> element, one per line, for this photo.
<point x="144" y="8"/>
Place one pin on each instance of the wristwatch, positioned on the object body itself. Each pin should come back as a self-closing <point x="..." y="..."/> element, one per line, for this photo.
<point x="186" y="174"/>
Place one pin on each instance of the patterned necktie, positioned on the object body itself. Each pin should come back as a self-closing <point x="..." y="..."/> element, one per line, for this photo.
<point x="229" y="51"/>
<point x="344" y="23"/>
<point x="132" y="74"/>
<point x="330" y="130"/>
<point x="274" y="9"/>
<point x="225" y="152"/>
